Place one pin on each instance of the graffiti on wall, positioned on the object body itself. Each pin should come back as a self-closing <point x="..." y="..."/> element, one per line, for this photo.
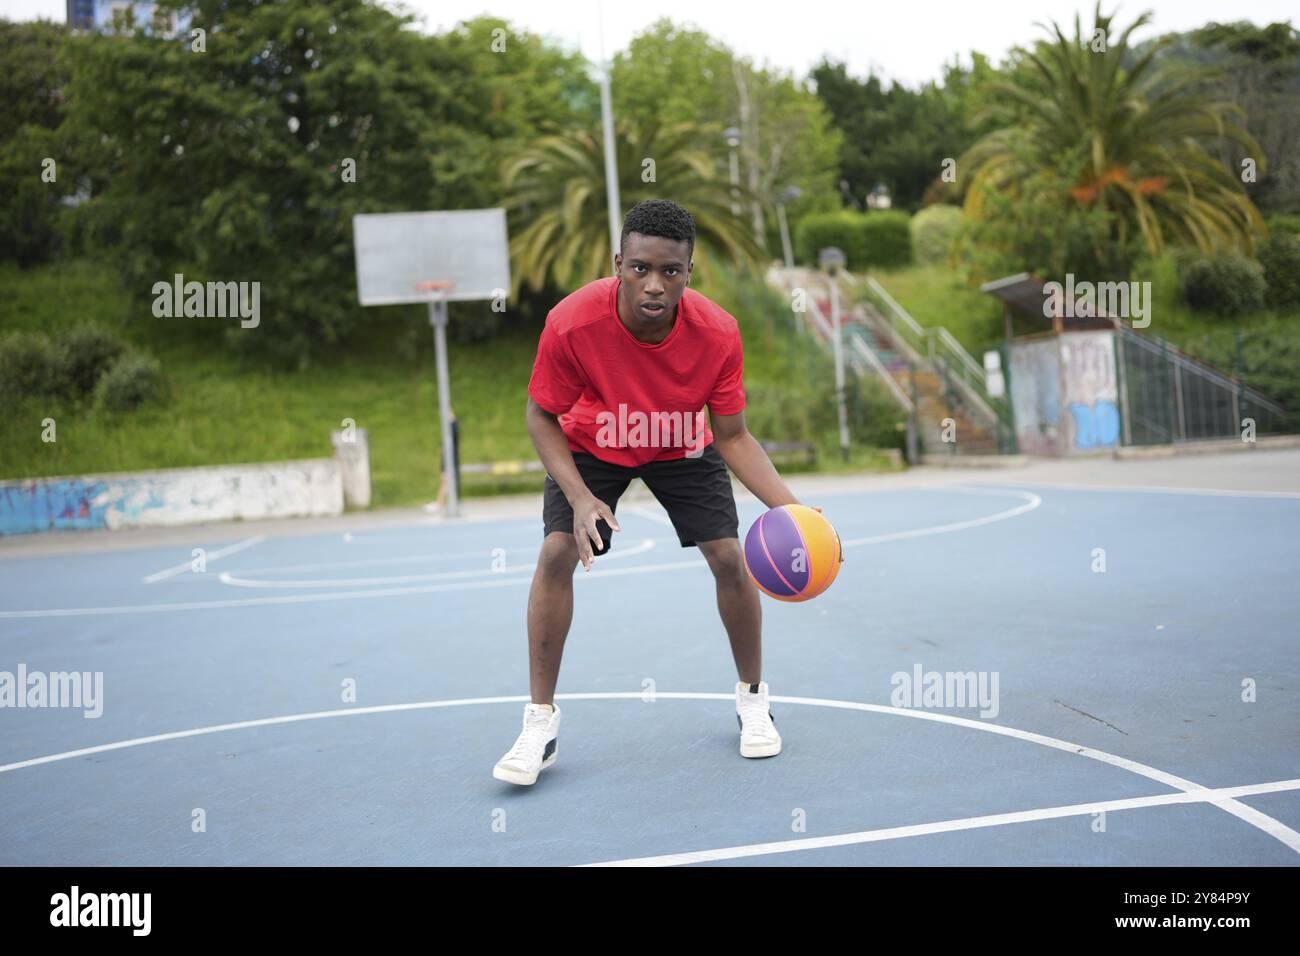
<point x="1091" y="394"/>
<point x="172" y="497"/>
<point x="59" y="503"/>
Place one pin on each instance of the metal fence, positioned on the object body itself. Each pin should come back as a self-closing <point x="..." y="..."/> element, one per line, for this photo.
<point x="1169" y="396"/>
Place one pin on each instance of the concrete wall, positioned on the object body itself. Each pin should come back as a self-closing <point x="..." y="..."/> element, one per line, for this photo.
<point x="1035" y="395"/>
<point x="175" y="496"/>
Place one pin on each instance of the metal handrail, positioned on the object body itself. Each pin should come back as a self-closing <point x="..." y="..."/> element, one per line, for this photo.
<point x="963" y="356"/>
<point x="946" y="355"/>
<point x="1204" y="371"/>
<point x="869" y="354"/>
<point x="897" y="309"/>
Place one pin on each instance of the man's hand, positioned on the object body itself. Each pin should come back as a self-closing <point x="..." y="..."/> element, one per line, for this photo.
<point x="817" y="508"/>
<point x="585" y="515"/>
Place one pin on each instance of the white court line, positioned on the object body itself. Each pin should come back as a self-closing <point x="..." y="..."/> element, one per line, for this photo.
<point x="950" y="826"/>
<point x="185" y="566"/>
<point x="1255" y="818"/>
<point x="1155" y="489"/>
<point x="227" y="577"/>
<point x="505" y="580"/>
<point x="1034" y="502"/>
<point x="415" y="559"/>
<point x="531" y="548"/>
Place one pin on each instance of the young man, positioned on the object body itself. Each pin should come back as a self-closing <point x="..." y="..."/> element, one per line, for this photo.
<point x="624" y="368"/>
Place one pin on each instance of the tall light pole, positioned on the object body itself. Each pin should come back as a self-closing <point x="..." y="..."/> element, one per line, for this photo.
<point x="832" y="261"/>
<point x="732" y="136"/>
<point x="611" y="161"/>
<point x="789" y="194"/>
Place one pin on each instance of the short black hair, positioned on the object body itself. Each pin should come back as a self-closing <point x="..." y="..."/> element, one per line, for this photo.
<point x="659" y="217"/>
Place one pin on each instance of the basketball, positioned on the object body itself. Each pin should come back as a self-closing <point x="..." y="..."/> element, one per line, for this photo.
<point x="792" y="553"/>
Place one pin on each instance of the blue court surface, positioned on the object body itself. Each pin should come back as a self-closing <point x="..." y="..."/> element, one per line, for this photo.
<point x="1134" y="649"/>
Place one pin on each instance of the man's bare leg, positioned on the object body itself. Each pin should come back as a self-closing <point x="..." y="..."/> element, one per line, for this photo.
<point x="550" y="612"/>
<point x="738" y="605"/>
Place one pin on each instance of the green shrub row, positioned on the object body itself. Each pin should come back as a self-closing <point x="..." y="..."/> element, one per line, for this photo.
<point x="874" y="239"/>
<point x="88" y="362"/>
<point x="1234" y="284"/>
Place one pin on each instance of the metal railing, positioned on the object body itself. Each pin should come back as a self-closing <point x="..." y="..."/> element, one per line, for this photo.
<point x="868" y="354"/>
<point x="963" y="377"/>
<point x="1169" y="397"/>
<point x="859" y="352"/>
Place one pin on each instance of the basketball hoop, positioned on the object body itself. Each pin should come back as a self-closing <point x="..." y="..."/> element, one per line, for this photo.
<point x="466" y="249"/>
<point x="440" y="288"/>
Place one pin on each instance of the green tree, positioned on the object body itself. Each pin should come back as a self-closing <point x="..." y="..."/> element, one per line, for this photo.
<point x="1260" y="72"/>
<point x="559" y="225"/>
<point x="672" y="74"/>
<point x="1128" y="145"/>
<point x="236" y="163"/>
<point x="32" y="77"/>
<point x="895" y="137"/>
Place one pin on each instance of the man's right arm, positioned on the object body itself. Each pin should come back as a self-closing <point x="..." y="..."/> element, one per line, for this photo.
<point x="553" y="449"/>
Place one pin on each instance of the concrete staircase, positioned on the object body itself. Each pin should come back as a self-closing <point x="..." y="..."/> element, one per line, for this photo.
<point x="916" y="377"/>
<point x="934" y="404"/>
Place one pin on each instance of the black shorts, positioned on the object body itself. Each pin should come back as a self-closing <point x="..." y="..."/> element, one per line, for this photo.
<point x="696" y="493"/>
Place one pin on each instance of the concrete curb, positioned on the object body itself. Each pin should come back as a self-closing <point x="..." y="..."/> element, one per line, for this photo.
<point x="976" y="461"/>
<point x="1211" y="447"/>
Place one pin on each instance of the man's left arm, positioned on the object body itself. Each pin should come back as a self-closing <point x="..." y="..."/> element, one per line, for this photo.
<point x="746" y="458"/>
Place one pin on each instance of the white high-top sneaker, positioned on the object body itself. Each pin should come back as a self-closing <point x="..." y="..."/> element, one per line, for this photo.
<point x="534" y="750"/>
<point x="758" y="736"/>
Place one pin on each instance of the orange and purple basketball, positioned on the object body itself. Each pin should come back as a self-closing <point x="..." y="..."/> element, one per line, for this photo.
<point x="792" y="553"/>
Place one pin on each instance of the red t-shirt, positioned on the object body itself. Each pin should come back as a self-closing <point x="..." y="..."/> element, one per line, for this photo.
<point x="625" y="401"/>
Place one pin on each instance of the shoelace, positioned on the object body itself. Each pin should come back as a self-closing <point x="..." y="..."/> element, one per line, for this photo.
<point x="753" y="717"/>
<point x="533" y="735"/>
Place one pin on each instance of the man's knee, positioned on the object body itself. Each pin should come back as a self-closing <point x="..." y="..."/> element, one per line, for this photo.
<point x="559" y="554"/>
<point x="725" y="559"/>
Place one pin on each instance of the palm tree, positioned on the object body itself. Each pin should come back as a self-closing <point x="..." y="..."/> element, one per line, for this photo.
<point x="1127" y="141"/>
<point x="556" y="197"/>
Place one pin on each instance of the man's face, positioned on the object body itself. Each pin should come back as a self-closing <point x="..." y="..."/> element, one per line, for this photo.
<point x="654" y="272"/>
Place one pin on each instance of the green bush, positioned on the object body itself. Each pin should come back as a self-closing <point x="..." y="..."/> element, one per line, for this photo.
<point x="1280" y="257"/>
<point x="30" y="366"/>
<point x="89" y="351"/>
<point x="779" y="412"/>
<point x="819" y="230"/>
<point x="873" y="415"/>
<point x="934" y="230"/>
<point x="1225" y="284"/>
<point x="131" y="381"/>
<point x="1288" y="223"/>
<point x="886" y="239"/>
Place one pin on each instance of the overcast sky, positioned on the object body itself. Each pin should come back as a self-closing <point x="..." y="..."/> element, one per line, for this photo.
<point x="906" y="41"/>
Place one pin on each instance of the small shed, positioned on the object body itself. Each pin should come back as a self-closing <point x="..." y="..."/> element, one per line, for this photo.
<point x="1062" y="370"/>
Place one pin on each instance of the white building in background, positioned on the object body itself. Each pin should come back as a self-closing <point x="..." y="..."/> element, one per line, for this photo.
<point x="123" y="15"/>
<point x="879" y="198"/>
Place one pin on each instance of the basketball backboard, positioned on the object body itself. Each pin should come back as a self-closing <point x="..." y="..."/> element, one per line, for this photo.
<point x="408" y="256"/>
